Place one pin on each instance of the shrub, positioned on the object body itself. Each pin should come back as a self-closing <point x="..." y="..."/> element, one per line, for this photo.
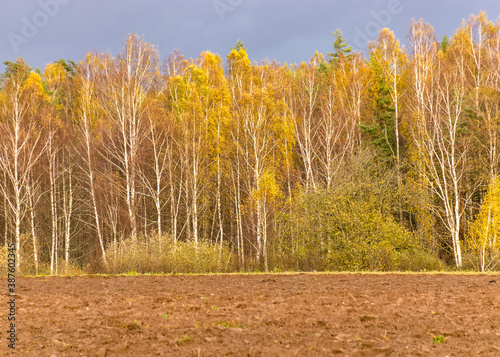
<point x="161" y="254"/>
<point x="351" y="226"/>
<point x="341" y="232"/>
<point x="28" y="265"/>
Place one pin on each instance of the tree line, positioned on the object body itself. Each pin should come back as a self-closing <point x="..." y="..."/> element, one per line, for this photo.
<point x="344" y="161"/>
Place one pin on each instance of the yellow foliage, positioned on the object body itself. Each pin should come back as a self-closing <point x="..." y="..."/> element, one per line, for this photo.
<point x="55" y="75"/>
<point x="33" y="86"/>
<point x="267" y="187"/>
<point x="486" y="228"/>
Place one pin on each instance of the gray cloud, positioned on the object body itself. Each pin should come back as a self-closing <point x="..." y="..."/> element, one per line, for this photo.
<point x="286" y="30"/>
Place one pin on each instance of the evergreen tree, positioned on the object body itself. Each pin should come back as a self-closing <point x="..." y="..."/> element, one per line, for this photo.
<point x="445" y="43"/>
<point x="340" y="47"/>
<point x="381" y="132"/>
<point x="14" y="69"/>
<point x="239" y="46"/>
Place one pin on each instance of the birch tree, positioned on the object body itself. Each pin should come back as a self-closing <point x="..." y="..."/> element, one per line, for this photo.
<point x="87" y="115"/>
<point x="216" y="102"/>
<point x="260" y="110"/>
<point x="20" y="147"/>
<point x="439" y="87"/>
<point x="124" y="83"/>
<point x="303" y="102"/>
<point x="336" y="132"/>
<point x="481" y="43"/>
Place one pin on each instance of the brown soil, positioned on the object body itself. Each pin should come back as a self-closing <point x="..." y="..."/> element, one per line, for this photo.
<point x="256" y="315"/>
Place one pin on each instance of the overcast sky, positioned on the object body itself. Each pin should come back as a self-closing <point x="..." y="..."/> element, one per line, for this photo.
<point x="43" y="31"/>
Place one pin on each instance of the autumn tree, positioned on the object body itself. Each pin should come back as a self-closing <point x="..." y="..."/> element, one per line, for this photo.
<point x="87" y="114"/>
<point x="480" y="39"/>
<point x="303" y="103"/>
<point x="337" y="127"/>
<point x="259" y="112"/>
<point x="191" y="135"/>
<point x="483" y="237"/>
<point x="216" y="104"/>
<point x="123" y="86"/>
<point x="21" y="146"/>
<point x="234" y="154"/>
<point x="439" y="113"/>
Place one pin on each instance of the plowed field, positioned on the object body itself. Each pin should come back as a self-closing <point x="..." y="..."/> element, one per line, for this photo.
<point x="256" y="315"/>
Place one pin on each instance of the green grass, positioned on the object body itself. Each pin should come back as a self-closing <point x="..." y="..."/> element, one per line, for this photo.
<point x="438" y="339"/>
<point x="182" y="340"/>
<point x="229" y="324"/>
